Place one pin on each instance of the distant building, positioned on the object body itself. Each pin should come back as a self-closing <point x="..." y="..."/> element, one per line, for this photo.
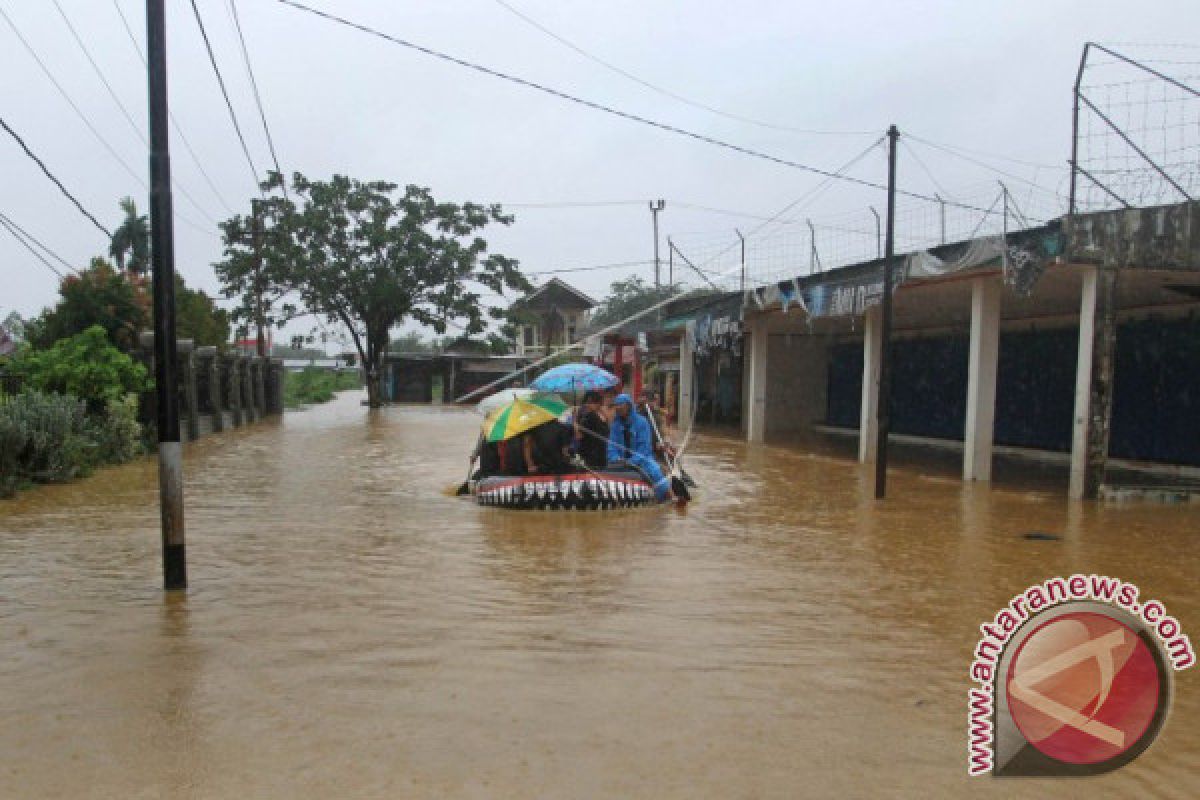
<point x="552" y="317"/>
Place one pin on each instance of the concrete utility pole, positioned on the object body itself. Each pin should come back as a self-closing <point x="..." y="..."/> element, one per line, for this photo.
<point x="162" y="259"/>
<point x="742" y="240"/>
<point x="883" y="411"/>
<point x="656" y="207"/>
<point x="256" y="243"/>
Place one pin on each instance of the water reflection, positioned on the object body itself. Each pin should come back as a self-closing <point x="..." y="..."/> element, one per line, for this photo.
<point x="355" y="630"/>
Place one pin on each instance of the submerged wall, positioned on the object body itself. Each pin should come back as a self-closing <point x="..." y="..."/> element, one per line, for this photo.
<point x="1156" y="400"/>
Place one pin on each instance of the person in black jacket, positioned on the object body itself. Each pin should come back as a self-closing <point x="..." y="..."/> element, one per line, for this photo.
<point x="591" y="431"/>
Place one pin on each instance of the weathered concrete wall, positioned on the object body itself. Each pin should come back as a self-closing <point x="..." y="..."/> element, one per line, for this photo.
<point x="797" y="382"/>
<point x="1162" y="237"/>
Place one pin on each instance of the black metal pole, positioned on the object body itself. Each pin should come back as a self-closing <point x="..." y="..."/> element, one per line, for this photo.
<point x="1075" y="126"/>
<point x="162" y="259"/>
<point x="883" y="410"/>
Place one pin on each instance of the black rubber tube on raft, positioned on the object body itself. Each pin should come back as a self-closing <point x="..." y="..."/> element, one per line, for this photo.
<point x="577" y="491"/>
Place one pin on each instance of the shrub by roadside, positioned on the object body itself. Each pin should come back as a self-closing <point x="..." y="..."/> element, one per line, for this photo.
<point x="313" y="385"/>
<point x="50" y="438"/>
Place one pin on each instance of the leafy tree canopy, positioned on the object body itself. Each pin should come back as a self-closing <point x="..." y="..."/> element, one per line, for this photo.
<point x="198" y="318"/>
<point x="118" y="302"/>
<point x="131" y="240"/>
<point x="627" y="297"/>
<point x="369" y="256"/>
<point x="86" y="366"/>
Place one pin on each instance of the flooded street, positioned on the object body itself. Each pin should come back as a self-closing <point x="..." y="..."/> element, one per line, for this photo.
<point x="355" y="631"/>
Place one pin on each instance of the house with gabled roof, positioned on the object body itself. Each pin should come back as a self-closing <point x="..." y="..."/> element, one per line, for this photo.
<point x="550" y="317"/>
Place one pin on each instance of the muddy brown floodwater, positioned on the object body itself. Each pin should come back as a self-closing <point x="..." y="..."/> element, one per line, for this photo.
<point x="353" y="631"/>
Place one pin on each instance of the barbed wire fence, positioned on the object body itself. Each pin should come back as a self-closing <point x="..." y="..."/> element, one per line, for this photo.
<point x="1136" y="127"/>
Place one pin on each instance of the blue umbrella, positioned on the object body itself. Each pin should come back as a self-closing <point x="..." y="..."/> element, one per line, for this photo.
<point x="572" y="378"/>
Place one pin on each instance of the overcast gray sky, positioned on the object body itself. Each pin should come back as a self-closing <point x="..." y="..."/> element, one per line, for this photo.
<point x="994" y="77"/>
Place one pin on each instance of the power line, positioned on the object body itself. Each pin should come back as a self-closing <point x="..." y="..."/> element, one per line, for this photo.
<point x="32" y="238"/>
<point x="112" y="151"/>
<point x="237" y="23"/>
<point x="51" y="176"/>
<point x="212" y="59"/>
<point x="124" y="111"/>
<point x="593" y="268"/>
<point x="925" y="169"/>
<point x="667" y="92"/>
<point x="8" y="227"/>
<point x="178" y="128"/>
<point x="575" y="204"/>
<point x="979" y="163"/>
<point x="604" y="108"/>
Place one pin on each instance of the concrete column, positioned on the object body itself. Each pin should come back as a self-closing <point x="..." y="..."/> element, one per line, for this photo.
<point x="247" y="382"/>
<point x="260" y="387"/>
<point x="191" y="395"/>
<point x="1094" y="381"/>
<point x="211" y="363"/>
<point x="687" y="380"/>
<point x="1083" y="381"/>
<point x="756" y="381"/>
<point x="235" y="389"/>
<point x="868" y="424"/>
<point x="981" y="379"/>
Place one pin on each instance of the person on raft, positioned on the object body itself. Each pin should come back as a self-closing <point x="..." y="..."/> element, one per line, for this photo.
<point x="591" y="431"/>
<point x="631" y="441"/>
<point x="546" y="448"/>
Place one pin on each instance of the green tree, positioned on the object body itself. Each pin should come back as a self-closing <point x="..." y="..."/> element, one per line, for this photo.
<point x="131" y="240"/>
<point x="626" y="298"/>
<point x="86" y="366"/>
<point x="100" y="295"/>
<point x="370" y="257"/>
<point x="198" y="318"/>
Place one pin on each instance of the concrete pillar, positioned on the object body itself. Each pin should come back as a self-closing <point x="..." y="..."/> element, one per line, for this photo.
<point x="1083" y="381"/>
<point x="235" y="389"/>
<point x="756" y="381"/>
<point x="868" y="425"/>
<point x="191" y="394"/>
<point x="247" y="382"/>
<point x="981" y="379"/>
<point x="687" y="380"/>
<point x="211" y="364"/>
<point x="260" y="387"/>
<point x="1093" y="381"/>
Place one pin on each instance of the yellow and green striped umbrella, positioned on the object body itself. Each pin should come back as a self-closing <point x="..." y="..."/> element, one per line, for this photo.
<point x="522" y="414"/>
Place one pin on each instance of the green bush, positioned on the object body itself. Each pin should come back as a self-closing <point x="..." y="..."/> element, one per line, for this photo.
<point x="86" y="366"/>
<point x="116" y="434"/>
<point x="315" y="385"/>
<point x="44" y="438"/>
<point x="50" y="438"/>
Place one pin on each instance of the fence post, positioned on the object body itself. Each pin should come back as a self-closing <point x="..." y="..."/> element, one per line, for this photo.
<point x="235" y="388"/>
<point x="185" y="354"/>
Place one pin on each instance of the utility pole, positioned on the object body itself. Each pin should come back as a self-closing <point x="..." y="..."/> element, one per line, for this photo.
<point x="878" y="234"/>
<point x="656" y="207"/>
<point x="942" y="215"/>
<point x="162" y="260"/>
<point x="670" y="262"/>
<point x="256" y="243"/>
<point x="814" y="258"/>
<point x="742" y="286"/>
<point x="885" y="378"/>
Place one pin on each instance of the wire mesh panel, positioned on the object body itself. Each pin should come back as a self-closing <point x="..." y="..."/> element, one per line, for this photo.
<point x="1137" y="127"/>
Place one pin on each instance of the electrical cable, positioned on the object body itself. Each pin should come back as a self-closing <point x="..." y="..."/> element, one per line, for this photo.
<point x="212" y="59"/>
<point x="8" y="220"/>
<point x="604" y="108"/>
<point x="4" y="222"/>
<point x="237" y="23"/>
<point x="171" y="114"/>
<point x="667" y="92"/>
<point x="124" y="111"/>
<point x="593" y="268"/>
<point x="56" y="181"/>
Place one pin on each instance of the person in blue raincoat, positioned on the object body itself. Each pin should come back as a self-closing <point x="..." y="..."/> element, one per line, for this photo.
<point x="631" y="440"/>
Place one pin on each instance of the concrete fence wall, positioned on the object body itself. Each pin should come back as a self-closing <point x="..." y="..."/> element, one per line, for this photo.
<point x="218" y="391"/>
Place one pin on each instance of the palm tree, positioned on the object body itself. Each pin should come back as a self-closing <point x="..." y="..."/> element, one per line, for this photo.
<point x="131" y="239"/>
